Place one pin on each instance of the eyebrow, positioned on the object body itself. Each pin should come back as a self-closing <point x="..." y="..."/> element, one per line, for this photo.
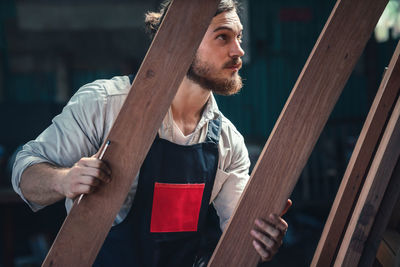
<point x="226" y="28"/>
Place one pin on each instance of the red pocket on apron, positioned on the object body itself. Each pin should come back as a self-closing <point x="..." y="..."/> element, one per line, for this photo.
<point x="176" y="207"/>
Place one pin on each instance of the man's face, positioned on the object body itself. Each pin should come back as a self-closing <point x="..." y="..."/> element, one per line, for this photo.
<point x="217" y="60"/>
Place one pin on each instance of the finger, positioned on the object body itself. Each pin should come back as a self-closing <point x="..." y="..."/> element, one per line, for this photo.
<point x="105" y="168"/>
<point x="288" y="205"/>
<point x="95" y="163"/>
<point x="89" y="180"/>
<point x="96" y="173"/>
<point x="263" y="238"/>
<point x="265" y="255"/>
<point x="268" y="228"/>
<point x="83" y="189"/>
<point x="278" y="222"/>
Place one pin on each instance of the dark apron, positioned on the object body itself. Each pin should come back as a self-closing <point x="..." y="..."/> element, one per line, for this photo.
<point x="171" y="222"/>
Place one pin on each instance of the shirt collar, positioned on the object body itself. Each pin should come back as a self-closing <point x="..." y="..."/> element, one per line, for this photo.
<point x="211" y="110"/>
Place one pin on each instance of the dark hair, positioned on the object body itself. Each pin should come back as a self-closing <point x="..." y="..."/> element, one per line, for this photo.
<point x="153" y="19"/>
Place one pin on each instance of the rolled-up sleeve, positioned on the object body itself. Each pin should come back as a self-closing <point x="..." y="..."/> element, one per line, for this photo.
<point x="75" y="133"/>
<point x="233" y="177"/>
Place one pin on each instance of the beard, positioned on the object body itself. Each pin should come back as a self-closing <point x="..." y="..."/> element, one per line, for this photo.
<point x="201" y="73"/>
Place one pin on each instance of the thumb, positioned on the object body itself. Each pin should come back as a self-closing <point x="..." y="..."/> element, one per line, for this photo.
<point x="288" y="205"/>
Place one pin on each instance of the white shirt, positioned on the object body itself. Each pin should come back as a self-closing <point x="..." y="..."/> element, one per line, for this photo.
<point x="86" y="121"/>
<point x="177" y="135"/>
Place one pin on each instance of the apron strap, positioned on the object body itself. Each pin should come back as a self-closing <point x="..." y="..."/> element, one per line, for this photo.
<point x="214" y="130"/>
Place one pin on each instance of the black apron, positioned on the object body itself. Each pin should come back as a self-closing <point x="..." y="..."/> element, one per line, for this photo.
<point x="171" y="222"/>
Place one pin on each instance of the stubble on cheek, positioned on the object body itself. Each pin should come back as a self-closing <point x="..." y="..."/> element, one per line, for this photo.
<point x="210" y="79"/>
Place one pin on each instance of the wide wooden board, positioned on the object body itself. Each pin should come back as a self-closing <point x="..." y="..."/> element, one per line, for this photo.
<point x="372" y="193"/>
<point x="358" y="165"/>
<point x="286" y="152"/>
<point x="162" y="71"/>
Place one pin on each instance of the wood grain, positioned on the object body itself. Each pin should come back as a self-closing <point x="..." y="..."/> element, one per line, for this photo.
<point x="372" y="193"/>
<point x="357" y="168"/>
<point x="286" y="152"/>
<point x="162" y="71"/>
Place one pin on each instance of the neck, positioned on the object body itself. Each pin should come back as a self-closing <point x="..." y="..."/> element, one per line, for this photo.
<point x="188" y="105"/>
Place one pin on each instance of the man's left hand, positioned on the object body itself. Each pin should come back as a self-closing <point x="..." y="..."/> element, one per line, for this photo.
<point x="268" y="234"/>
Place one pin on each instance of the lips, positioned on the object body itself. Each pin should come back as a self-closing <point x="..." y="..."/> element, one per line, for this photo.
<point x="234" y="66"/>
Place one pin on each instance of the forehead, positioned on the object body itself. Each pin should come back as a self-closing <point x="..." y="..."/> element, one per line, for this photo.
<point x="226" y="20"/>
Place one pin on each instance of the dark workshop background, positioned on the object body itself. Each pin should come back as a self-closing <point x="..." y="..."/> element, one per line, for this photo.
<point x="48" y="49"/>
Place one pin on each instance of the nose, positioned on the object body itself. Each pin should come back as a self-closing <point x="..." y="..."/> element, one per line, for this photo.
<point x="236" y="49"/>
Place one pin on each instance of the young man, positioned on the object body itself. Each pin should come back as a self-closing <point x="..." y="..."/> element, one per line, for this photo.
<point x="198" y="158"/>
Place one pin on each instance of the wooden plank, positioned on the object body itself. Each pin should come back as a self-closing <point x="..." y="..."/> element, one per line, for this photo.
<point x="358" y="165"/>
<point x="372" y="193"/>
<point x="382" y="218"/>
<point x="162" y="71"/>
<point x="299" y="125"/>
<point x="385" y="255"/>
<point x="394" y="221"/>
<point x="389" y="250"/>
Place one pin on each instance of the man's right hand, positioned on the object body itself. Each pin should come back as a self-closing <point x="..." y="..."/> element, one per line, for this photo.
<point x="84" y="177"/>
<point x="45" y="184"/>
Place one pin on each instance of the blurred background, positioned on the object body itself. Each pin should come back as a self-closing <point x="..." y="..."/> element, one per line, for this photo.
<point x="48" y="49"/>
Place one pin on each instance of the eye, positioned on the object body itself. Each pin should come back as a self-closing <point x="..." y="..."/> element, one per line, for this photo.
<point x="222" y="37"/>
<point x="239" y="37"/>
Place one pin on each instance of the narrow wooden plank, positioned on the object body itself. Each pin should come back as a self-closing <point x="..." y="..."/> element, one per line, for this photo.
<point x="299" y="125"/>
<point x="389" y="250"/>
<point x="394" y="221"/>
<point x="372" y="193"/>
<point x="382" y="218"/>
<point x="358" y="165"/>
<point x="162" y="71"/>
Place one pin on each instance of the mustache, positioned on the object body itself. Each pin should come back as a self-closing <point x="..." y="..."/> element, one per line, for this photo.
<point x="235" y="61"/>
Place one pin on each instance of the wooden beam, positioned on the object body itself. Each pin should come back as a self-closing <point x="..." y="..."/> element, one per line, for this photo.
<point x="359" y="163"/>
<point x="389" y="250"/>
<point x="372" y="193"/>
<point x="162" y="71"/>
<point x="382" y="218"/>
<point x="286" y="152"/>
<point x="394" y="221"/>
